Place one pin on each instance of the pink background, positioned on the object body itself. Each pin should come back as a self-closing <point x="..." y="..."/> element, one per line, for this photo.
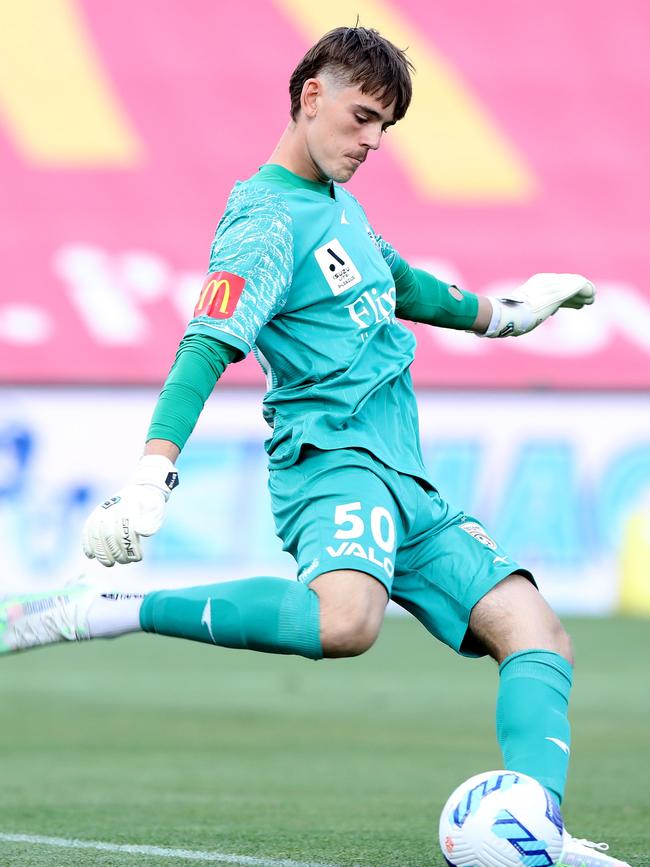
<point x="569" y="85"/>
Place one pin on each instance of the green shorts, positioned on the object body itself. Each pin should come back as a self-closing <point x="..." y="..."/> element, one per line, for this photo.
<point x="343" y="509"/>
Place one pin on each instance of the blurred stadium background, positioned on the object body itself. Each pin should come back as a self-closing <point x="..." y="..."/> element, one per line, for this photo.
<point x="122" y="129"/>
<point x="526" y="149"/>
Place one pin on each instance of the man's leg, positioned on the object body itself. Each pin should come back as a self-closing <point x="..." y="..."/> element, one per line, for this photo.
<point x="340" y="614"/>
<point x="335" y="514"/>
<point x="521" y="632"/>
<point x="323" y="505"/>
<point x="467" y="591"/>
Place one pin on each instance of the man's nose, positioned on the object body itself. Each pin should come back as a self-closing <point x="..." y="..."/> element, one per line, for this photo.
<point x="371" y="137"/>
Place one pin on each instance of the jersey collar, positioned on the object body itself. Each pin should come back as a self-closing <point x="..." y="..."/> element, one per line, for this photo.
<point x="273" y="172"/>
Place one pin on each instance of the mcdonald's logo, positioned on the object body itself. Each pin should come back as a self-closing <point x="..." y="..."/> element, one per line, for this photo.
<point x="219" y="295"/>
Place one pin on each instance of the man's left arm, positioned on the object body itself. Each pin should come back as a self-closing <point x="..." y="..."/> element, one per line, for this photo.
<point x="421" y="297"/>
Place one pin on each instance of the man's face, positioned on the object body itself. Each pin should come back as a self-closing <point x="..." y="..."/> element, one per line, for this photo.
<point x="343" y="124"/>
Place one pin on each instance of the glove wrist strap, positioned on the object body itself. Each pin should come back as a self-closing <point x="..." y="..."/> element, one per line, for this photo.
<point x="510" y="316"/>
<point x="156" y="470"/>
<point x="495" y="322"/>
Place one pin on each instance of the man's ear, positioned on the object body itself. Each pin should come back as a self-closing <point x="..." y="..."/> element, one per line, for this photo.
<point x="312" y="89"/>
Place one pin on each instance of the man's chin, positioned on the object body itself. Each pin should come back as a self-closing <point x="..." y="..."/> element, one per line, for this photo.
<point x="339" y="174"/>
<point x="343" y="175"/>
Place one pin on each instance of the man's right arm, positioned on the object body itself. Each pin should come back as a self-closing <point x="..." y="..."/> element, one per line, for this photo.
<point x="113" y="531"/>
<point x="200" y="361"/>
<point x="249" y="277"/>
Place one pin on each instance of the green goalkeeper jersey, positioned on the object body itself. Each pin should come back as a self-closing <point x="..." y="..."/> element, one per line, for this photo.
<point x="298" y="276"/>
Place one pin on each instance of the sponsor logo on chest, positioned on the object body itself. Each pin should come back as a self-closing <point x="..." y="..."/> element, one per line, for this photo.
<point x="337" y="266"/>
<point x="372" y="306"/>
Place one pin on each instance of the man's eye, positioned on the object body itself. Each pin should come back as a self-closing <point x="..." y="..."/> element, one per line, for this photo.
<point x="361" y="118"/>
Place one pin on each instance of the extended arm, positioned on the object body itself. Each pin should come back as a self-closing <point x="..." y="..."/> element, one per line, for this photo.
<point x="421" y="297"/>
<point x="200" y="361"/>
<point x="113" y="530"/>
<point x="250" y="270"/>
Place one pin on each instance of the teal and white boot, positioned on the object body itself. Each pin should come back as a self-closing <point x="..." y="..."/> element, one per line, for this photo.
<point x="36" y="619"/>
<point x="584" y="853"/>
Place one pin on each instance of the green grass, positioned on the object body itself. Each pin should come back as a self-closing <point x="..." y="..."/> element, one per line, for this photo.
<point x="155" y="741"/>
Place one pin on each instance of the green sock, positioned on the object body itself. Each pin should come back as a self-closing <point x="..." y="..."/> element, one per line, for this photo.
<point x="269" y="614"/>
<point x="532" y="724"/>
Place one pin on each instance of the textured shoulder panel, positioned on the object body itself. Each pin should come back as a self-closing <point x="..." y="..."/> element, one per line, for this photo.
<point x="254" y="241"/>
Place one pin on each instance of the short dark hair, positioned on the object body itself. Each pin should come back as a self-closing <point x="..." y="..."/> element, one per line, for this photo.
<point x="364" y="57"/>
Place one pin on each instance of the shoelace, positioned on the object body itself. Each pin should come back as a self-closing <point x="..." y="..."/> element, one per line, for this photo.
<point x="601" y="847"/>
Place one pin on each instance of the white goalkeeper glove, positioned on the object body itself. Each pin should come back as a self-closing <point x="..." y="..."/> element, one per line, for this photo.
<point x="538" y="298"/>
<point x="112" y="531"/>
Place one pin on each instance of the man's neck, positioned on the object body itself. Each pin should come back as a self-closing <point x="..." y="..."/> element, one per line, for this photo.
<point x="292" y="154"/>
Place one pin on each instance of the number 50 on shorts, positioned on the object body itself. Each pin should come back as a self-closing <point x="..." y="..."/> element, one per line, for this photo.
<point x="366" y="534"/>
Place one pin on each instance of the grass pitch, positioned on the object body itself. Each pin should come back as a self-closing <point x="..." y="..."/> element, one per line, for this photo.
<point x="159" y="742"/>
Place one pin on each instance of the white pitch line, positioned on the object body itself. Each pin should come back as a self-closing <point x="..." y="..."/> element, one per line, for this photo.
<point x="159" y="851"/>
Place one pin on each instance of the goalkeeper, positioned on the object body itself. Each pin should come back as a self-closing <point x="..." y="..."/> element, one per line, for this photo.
<point x="298" y="276"/>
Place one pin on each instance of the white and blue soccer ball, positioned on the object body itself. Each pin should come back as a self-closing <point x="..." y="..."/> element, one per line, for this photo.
<point x="501" y="819"/>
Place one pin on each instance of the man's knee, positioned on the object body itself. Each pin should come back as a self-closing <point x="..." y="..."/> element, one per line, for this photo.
<point x="351" y="635"/>
<point x="352" y="606"/>
<point x="513" y="617"/>
<point x="564" y="644"/>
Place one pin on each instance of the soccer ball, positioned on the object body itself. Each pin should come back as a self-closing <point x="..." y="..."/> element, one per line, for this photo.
<point x="501" y="819"/>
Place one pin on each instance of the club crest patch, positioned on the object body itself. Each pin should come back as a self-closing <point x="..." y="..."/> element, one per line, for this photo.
<point x="219" y="296"/>
<point x="338" y="268"/>
<point x="479" y="534"/>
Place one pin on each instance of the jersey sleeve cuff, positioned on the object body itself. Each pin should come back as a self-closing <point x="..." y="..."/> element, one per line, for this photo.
<point x="220" y="334"/>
